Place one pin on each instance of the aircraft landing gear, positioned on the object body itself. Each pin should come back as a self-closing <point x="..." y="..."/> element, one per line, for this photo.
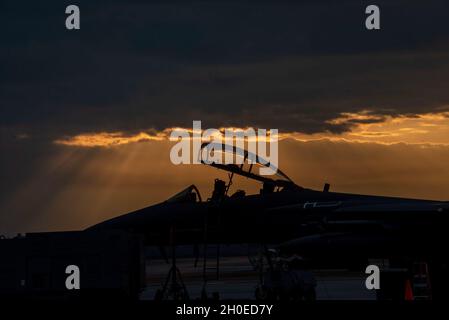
<point x="174" y="287"/>
<point x="286" y="280"/>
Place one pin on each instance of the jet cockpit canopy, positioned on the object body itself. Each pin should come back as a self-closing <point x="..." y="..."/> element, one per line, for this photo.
<point x="248" y="162"/>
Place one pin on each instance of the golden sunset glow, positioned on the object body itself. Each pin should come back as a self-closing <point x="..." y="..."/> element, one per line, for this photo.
<point x="109" y="181"/>
<point x="429" y="128"/>
<point x="106" y="139"/>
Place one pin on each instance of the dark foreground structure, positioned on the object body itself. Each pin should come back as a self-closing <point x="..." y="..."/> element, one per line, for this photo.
<point x="33" y="266"/>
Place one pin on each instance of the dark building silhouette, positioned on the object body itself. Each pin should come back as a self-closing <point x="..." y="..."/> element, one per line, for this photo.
<point x="33" y="266"/>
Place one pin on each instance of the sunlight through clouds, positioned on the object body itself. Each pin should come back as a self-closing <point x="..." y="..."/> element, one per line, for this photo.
<point x="364" y="126"/>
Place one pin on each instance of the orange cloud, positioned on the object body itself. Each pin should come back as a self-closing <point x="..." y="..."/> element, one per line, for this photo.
<point x="360" y="117"/>
<point x="108" y="139"/>
<point x="429" y="128"/>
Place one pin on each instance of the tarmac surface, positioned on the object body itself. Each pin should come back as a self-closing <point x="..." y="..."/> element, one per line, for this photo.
<point x="238" y="280"/>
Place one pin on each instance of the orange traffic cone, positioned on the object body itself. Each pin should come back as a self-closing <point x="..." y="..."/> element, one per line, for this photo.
<point x="408" y="291"/>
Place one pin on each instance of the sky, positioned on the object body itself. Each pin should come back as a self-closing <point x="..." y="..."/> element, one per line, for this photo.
<point x="85" y="114"/>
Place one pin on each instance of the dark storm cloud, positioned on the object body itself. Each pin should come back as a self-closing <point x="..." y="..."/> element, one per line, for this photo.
<point x="292" y="66"/>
